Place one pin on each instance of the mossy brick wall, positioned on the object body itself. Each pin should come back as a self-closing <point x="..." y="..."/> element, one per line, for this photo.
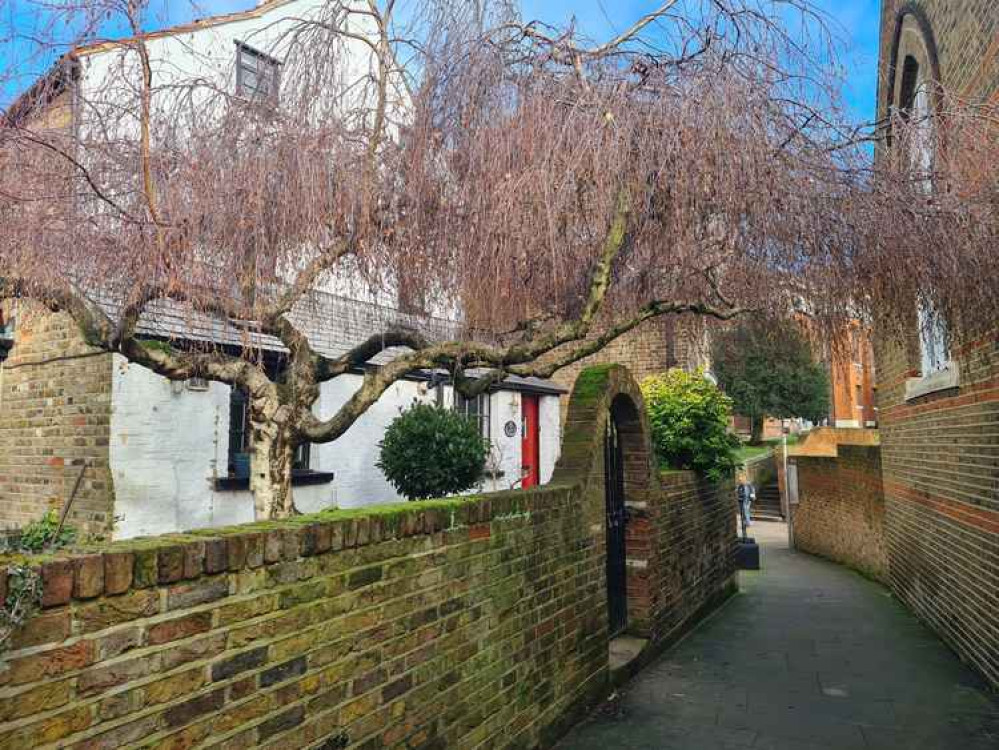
<point x="55" y="416"/>
<point x="841" y="509"/>
<point x="466" y="623"/>
<point x="940" y="452"/>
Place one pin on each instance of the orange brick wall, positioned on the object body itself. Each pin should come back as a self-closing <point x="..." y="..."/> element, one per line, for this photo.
<point x="841" y="510"/>
<point x="851" y="378"/>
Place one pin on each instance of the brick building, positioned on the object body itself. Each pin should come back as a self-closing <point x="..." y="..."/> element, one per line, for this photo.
<point x="653" y="347"/>
<point x="939" y="397"/>
<point x="852" y="381"/>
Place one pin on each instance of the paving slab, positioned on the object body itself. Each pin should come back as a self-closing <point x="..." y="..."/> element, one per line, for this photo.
<point x="808" y="656"/>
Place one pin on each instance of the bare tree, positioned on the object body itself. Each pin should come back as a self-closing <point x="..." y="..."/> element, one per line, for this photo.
<point x="547" y="193"/>
<point x="931" y="225"/>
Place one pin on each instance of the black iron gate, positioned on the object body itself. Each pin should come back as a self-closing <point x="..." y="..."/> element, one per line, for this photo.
<point x="617" y="587"/>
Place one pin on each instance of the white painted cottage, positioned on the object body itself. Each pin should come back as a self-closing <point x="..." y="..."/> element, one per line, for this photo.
<point x="175" y="452"/>
<point x="178" y="451"/>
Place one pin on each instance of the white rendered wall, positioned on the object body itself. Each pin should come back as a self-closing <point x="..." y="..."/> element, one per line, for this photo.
<point x="504" y="406"/>
<point x="169" y="444"/>
<point x="550" y="421"/>
<point x="166" y="446"/>
<point x="352" y="458"/>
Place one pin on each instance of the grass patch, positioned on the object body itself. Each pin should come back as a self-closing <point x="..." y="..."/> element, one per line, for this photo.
<point x="747" y="452"/>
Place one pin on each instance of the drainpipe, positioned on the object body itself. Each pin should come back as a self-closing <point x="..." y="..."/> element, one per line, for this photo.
<point x="787" y="495"/>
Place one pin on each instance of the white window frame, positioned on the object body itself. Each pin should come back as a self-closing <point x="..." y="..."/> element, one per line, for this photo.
<point x="482" y="414"/>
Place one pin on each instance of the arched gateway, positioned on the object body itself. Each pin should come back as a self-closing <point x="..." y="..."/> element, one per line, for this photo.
<point x="607" y="447"/>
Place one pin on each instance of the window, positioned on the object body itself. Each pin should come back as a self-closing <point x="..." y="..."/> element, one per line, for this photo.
<point x="241" y="438"/>
<point x="197" y="384"/>
<point x="934" y="347"/>
<point x="910" y="83"/>
<point x="6" y="335"/>
<point x="256" y="74"/>
<point x="915" y="107"/>
<point x="6" y="327"/>
<point x="476" y="409"/>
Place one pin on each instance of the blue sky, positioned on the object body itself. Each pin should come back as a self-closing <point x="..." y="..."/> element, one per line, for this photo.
<point x="854" y="23"/>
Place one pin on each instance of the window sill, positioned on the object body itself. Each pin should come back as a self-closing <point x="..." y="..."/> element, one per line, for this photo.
<point x="942" y="380"/>
<point x="298" y="479"/>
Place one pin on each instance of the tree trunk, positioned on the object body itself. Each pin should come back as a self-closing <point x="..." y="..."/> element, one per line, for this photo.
<point x="756" y="430"/>
<point x="271" y="457"/>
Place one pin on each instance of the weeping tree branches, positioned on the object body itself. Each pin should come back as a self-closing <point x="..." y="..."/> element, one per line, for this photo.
<point x="543" y="192"/>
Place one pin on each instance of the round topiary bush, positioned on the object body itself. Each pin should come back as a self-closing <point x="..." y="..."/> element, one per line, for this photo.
<point x="432" y="452"/>
<point x="689" y="418"/>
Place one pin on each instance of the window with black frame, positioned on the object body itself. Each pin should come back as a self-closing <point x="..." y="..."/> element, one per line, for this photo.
<point x="6" y="335"/>
<point x="257" y="74"/>
<point x="241" y="438"/>
<point x="476" y="409"/>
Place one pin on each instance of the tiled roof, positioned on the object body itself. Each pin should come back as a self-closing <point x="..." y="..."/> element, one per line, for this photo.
<point x="333" y="324"/>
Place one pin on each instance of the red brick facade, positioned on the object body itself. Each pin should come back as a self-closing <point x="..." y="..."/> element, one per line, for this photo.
<point x="940" y="451"/>
<point x="852" y="381"/>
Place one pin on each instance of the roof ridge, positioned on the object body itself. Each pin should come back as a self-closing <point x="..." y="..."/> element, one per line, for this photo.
<point x="265" y="6"/>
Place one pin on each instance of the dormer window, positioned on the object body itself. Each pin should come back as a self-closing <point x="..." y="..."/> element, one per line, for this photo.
<point x="257" y="74"/>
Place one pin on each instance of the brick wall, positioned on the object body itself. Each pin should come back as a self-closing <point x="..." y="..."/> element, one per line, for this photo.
<point x="653" y="347"/>
<point x="463" y="623"/>
<point x="680" y="554"/>
<point x="851" y="379"/>
<point x="966" y="33"/>
<point x="841" y="509"/>
<point x="940" y="451"/>
<point x="55" y="407"/>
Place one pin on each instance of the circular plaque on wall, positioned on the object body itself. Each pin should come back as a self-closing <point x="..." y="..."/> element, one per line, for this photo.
<point x="510" y="429"/>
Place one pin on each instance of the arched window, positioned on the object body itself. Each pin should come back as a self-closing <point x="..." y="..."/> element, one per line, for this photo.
<point x="914" y="107"/>
<point x="907" y="91"/>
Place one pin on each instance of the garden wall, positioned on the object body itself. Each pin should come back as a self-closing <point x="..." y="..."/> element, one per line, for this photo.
<point x="840" y="512"/>
<point x="472" y="622"/>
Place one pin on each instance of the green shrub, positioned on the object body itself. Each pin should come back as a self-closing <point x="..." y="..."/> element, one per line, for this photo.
<point x="37" y="535"/>
<point x="432" y="452"/>
<point x="689" y="418"/>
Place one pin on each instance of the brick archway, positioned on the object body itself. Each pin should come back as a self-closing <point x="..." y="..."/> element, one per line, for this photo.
<point x="601" y="393"/>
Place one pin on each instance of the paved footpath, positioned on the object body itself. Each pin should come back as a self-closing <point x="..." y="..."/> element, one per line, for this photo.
<point x="808" y="655"/>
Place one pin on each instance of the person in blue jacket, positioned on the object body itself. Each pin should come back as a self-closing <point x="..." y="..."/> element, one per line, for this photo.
<point x="746" y="494"/>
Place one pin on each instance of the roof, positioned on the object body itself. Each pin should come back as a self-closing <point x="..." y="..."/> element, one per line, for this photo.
<point x="200" y="23"/>
<point x="54" y="80"/>
<point x="332" y="323"/>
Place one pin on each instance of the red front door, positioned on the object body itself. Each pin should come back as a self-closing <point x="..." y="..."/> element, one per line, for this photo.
<point x="529" y="443"/>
